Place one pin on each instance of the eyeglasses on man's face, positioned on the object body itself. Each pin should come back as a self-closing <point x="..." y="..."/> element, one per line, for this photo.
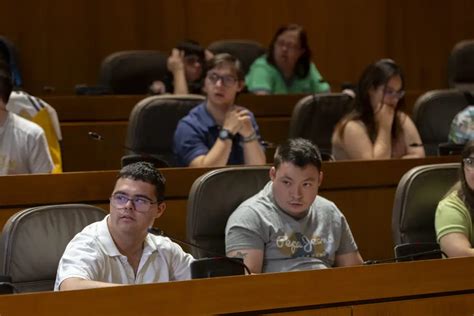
<point x="140" y="203"/>
<point x="226" y="80"/>
<point x="469" y="163"/>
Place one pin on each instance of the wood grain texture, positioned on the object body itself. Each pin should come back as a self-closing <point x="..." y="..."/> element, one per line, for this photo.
<point x="63" y="44"/>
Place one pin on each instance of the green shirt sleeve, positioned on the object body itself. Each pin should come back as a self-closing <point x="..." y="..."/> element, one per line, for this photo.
<point x="259" y="78"/>
<point x="452" y="216"/>
<point x="318" y="84"/>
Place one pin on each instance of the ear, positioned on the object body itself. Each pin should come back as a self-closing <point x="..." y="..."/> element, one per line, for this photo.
<point x="272" y="173"/>
<point x="160" y="209"/>
<point x="320" y="178"/>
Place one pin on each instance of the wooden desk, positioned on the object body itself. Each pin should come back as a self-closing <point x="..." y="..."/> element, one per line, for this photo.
<point x="390" y="288"/>
<point x="108" y="116"/>
<point x="363" y="190"/>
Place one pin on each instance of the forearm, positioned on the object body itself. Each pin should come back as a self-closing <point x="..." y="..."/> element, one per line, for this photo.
<point x="179" y="82"/>
<point x="253" y="258"/>
<point x="79" y="284"/>
<point x="253" y="153"/>
<point x="216" y="157"/>
<point x="383" y="144"/>
<point x="455" y="251"/>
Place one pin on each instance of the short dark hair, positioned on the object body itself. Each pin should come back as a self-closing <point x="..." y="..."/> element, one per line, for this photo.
<point x="304" y="62"/>
<point x="6" y="86"/>
<point x="146" y="172"/>
<point x="226" y="59"/>
<point x="298" y="151"/>
<point x="191" y="47"/>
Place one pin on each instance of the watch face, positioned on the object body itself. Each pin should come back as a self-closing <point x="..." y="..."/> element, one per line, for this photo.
<point x="224" y="134"/>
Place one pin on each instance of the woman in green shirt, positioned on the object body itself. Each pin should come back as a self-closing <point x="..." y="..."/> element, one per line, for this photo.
<point x="453" y="220"/>
<point x="287" y="68"/>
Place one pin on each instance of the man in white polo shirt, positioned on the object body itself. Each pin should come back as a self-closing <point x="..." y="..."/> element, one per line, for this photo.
<point x="119" y="249"/>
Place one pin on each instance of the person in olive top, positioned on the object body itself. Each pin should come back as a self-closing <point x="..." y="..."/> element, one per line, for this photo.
<point x="287" y="68"/>
<point x="453" y="220"/>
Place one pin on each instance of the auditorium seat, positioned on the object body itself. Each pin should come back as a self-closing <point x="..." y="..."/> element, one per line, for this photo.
<point x="245" y="50"/>
<point x="151" y="128"/>
<point x="212" y="198"/>
<point x="461" y="66"/>
<point x="433" y="113"/>
<point x="315" y="116"/>
<point x="132" y="72"/>
<point x="33" y="241"/>
<point x="416" y="199"/>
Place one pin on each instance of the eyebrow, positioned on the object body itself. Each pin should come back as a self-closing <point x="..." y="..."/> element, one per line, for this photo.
<point x="306" y="179"/>
<point x="133" y="196"/>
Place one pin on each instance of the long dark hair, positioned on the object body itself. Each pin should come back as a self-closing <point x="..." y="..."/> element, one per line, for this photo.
<point x="375" y="75"/>
<point x="303" y="63"/>
<point x="465" y="193"/>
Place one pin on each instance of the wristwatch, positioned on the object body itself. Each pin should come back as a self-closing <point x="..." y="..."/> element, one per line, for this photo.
<point x="225" y="134"/>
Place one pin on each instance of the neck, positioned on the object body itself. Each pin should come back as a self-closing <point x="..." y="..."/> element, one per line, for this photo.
<point x="219" y="112"/>
<point x="127" y="244"/>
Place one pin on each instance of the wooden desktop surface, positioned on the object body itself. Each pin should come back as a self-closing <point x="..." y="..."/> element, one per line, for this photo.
<point x="363" y="190"/>
<point x="444" y="287"/>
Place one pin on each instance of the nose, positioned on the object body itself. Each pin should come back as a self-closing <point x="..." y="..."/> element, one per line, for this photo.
<point x="130" y="204"/>
<point x="219" y="82"/>
<point x="297" y="192"/>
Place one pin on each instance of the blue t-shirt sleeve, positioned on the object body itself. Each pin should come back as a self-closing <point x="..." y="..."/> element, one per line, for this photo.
<point x="188" y="143"/>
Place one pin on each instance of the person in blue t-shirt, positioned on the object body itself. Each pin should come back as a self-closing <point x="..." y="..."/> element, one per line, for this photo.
<point x="218" y="132"/>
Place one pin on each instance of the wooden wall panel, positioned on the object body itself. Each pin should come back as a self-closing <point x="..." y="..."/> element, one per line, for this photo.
<point x="63" y="43"/>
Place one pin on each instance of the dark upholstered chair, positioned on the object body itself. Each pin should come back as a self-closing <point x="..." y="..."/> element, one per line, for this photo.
<point x="151" y="127"/>
<point x="132" y="72"/>
<point x="245" y="50"/>
<point x="461" y="66"/>
<point x="33" y="241"/>
<point x="315" y="116"/>
<point x="416" y="199"/>
<point x="213" y="197"/>
<point x="433" y="113"/>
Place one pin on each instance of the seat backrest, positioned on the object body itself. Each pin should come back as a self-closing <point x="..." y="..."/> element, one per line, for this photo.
<point x="132" y="72"/>
<point x="433" y="113"/>
<point x="153" y="121"/>
<point x="213" y="197"/>
<point x="245" y="50"/>
<point x="461" y="66"/>
<point x="416" y="200"/>
<point x="315" y="116"/>
<point x="33" y="241"/>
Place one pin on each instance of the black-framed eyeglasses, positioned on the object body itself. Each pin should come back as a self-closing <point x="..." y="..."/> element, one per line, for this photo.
<point x="227" y="81"/>
<point x="140" y="203"/>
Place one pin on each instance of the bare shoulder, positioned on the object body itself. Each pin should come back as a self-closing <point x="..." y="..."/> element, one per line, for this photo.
<point x="354" y="127"/>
